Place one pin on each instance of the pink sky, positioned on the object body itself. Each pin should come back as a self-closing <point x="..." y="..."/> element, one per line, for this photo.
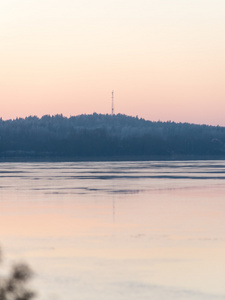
<point x="164" y="59"/>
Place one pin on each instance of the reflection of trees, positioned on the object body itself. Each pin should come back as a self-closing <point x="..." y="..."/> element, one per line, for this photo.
<point x="14" y="285"/>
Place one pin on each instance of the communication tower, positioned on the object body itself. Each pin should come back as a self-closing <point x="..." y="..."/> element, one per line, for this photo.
<point x="112" y="103"/>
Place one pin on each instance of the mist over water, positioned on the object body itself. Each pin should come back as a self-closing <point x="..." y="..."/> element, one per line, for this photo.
<point x="117" y="230"/>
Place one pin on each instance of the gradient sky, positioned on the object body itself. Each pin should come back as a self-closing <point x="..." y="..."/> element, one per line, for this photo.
<point x="165" y="59"/>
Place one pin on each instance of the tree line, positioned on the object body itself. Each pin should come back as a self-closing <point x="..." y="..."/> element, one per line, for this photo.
<point x="110" y="136"/>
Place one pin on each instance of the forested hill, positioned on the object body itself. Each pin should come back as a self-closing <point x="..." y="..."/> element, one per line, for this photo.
<point x="106" y="136"/>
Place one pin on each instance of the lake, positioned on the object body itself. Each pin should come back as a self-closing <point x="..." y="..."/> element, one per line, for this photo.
<point x="117" y="230"/>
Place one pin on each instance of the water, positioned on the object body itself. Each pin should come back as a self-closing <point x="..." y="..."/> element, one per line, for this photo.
<point x="117" y="230"/>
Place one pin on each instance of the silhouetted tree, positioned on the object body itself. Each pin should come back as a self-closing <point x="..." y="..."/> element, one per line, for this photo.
<point x="14" y="286"/>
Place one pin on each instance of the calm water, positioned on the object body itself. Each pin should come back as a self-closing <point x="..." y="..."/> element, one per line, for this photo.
<point x="117" y="230"/>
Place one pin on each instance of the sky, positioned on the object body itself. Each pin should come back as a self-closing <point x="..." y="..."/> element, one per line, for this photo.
<point x="164" y="59"/>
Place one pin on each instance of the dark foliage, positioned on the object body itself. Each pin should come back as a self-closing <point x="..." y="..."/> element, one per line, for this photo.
<point x="97" y="135"/>
<point x="14" y="286"/>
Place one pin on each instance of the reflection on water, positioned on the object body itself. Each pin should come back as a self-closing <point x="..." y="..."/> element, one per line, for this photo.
<point x="117" y="230"/>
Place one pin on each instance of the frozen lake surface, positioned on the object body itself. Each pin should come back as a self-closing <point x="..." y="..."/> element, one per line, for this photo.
<point x="117" y="230"/>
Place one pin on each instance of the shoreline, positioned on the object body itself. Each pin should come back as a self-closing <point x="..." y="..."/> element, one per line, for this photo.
<point x="110" y="158"/>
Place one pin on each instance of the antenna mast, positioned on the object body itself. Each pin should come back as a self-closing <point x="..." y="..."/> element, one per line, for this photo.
<point x="112" y="103"/>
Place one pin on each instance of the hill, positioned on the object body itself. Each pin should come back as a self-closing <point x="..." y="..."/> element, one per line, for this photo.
<point x="100" y="136"/>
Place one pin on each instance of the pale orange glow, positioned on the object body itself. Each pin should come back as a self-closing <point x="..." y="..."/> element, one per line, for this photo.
<point x="165" y="60"/>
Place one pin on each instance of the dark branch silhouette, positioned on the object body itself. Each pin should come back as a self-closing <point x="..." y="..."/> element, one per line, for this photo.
<point x="15" y="285"/>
